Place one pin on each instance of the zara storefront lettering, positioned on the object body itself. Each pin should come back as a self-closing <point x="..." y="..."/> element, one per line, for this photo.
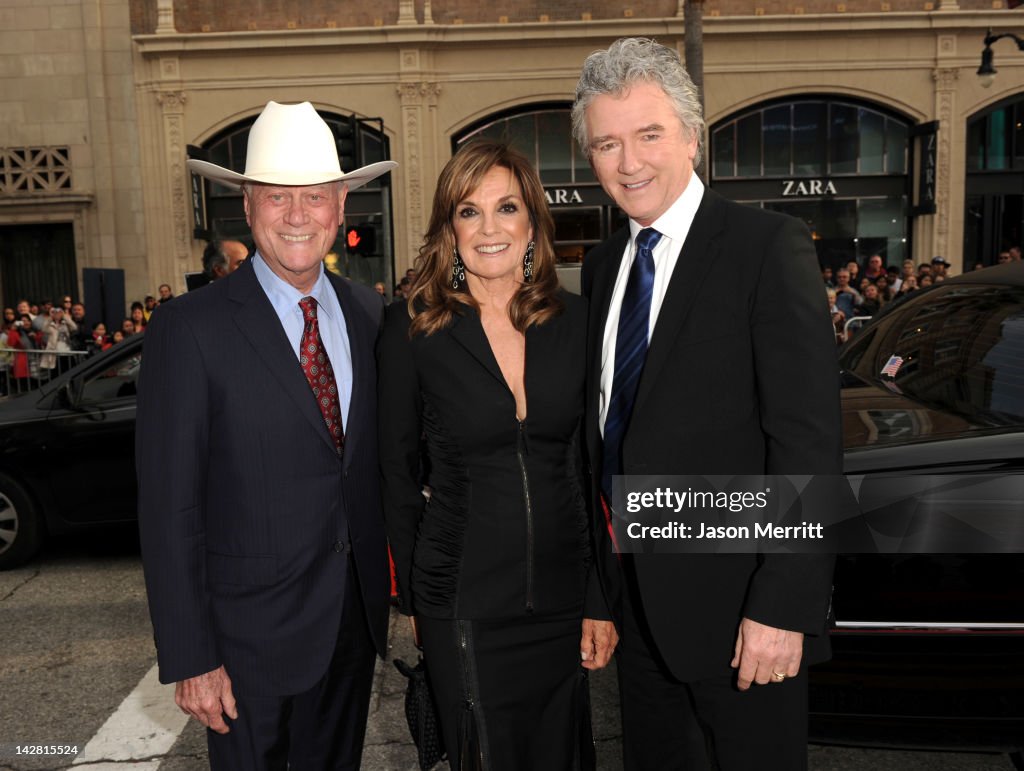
<point x="559" y="195"/>
<point x="807" y="187"/>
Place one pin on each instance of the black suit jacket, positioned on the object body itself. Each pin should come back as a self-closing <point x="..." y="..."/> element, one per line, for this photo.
<point x="741" y="377"/>
<point x="248" y="516"/>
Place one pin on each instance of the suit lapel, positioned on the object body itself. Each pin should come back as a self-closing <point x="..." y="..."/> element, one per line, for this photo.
<point x="700" y="250"/>
<point x="258" y="322"/>
<point x="363" y="385"/>
<point x="605" y="273"/>
<point x="468" y="332"/>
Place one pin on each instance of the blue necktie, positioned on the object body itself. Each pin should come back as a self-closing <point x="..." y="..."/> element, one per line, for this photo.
<point x="630" y="353"/>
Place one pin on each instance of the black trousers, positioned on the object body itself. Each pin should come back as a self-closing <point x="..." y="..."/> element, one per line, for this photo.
<point x="511" y="694"/>
<point x="668" y="725"/>
<point x="320" y="729"/>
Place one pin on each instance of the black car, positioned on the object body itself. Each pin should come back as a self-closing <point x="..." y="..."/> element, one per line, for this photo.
<point x="67" y="453"/>
<point x="929" y="648"/>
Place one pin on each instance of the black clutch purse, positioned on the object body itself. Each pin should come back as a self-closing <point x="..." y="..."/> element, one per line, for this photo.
<point x="421" y="714"/>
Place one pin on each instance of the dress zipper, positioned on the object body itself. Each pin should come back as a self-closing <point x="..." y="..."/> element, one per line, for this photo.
<point x="520" y="452"/>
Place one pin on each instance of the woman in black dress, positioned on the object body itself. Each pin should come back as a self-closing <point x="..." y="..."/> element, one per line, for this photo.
<point x="486" y="362"/>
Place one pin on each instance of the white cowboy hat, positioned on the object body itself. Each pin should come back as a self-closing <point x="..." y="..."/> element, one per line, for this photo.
<point x="290" y="144"/>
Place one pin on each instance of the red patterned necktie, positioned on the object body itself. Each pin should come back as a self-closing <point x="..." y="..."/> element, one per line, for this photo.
<point x="319" y="372"/>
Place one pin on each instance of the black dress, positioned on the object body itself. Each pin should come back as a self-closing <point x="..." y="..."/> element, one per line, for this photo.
<point x="494" y="565"/>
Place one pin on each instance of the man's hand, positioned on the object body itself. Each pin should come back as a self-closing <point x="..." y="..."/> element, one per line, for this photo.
<point x="206" y="698"/>
<point x="764" y="652"/>
<point x="598" y="643"/>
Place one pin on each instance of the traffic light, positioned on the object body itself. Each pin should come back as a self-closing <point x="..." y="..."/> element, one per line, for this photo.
<point x="361" y="239"/>
<point x="345" y="138"/>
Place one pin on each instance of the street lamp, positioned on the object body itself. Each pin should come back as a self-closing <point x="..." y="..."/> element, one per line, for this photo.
<point x="986" y="71"/>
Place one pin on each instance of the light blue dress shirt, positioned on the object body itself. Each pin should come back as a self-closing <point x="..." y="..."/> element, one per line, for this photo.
<point x="285" y="299"/>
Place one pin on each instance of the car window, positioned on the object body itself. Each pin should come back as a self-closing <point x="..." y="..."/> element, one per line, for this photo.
<point x="115" y="381"/>
<point x="959" y="348"/>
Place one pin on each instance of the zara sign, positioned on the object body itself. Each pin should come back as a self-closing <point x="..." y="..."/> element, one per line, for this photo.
<point x="558" y="195"/>
<point x="808" y="187"/>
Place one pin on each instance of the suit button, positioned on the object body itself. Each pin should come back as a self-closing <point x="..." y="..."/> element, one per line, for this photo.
<point x="339" y="546"/>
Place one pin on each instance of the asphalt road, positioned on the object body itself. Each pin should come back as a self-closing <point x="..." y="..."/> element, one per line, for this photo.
<point x="76" y="670"/>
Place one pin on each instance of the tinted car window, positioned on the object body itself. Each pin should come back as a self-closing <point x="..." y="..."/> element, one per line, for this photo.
<point x="116" y="381"/>
<point x="958" y="348"/>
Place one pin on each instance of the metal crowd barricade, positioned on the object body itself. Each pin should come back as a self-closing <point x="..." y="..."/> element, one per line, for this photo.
<point x="38" y="371"/>
<point x="852" y="325"/>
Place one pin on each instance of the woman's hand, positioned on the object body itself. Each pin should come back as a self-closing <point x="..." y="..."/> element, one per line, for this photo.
<point x="598" y="643"/>
<point x="415" y="633"/>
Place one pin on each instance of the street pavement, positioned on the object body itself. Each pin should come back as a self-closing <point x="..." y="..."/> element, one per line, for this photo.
<point x="77" y="668"/>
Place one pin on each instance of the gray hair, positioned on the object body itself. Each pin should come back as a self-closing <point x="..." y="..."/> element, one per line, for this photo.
<point x="627" y="61"/>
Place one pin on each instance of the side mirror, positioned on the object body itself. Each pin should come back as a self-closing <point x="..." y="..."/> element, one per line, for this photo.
<point x="72" y="393"/>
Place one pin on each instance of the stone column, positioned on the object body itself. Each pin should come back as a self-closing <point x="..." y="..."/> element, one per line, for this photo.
<point x="949" y="132"/>
<point x="172" y="103"/>
<point x="165" y="17"/>
<point x="406" y="12"/>
<point x="418" y="100"/>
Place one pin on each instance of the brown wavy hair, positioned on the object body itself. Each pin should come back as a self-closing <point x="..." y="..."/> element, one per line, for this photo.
<point x="433" y="303"/>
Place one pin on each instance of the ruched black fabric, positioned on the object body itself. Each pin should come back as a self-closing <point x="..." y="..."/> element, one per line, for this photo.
<point x="504" y="532"/>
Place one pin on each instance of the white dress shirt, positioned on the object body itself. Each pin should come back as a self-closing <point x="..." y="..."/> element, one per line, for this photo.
<point x="330" y="318"/>
<point x="673" y="225"/>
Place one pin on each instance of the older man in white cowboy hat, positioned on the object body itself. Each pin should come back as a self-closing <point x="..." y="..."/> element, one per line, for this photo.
<point x="262" y="537"/>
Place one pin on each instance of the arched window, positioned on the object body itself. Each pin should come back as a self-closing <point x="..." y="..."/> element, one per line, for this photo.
<point x="814" y="136"/>
<point x="995" y="137"/>
<point x="841" y="166"/>
<point x="544" y="135"/>
<point x="994" y="203"/>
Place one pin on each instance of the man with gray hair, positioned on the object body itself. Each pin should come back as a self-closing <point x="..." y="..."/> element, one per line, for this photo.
<point x="710" y="352"/>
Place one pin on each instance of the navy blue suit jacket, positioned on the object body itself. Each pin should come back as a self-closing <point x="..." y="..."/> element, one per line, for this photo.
<point x="248" y="516"/>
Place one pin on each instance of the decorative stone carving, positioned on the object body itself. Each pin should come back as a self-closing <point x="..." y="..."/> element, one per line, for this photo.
<point x="415" y="93"/>
<point x="416" y="98"/>
<point x="410" y="59"/>
<point x="169" y="68"/>
<point x="945" y="90"/>
<point x="945" y="78"/>
<point x="25" y="171"/>
<point x="173" y="104"/>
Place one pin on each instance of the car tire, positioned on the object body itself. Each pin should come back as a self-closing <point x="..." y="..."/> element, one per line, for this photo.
<point x="21" y="531"/>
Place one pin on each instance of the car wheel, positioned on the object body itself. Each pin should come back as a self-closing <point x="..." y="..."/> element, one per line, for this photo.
<point x="20" y="529"/>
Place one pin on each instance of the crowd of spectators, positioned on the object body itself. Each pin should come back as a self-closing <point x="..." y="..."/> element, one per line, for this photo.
<point x="402" y="288"/>
<point x="40" y="340"/>
<point x="854" y="293"/>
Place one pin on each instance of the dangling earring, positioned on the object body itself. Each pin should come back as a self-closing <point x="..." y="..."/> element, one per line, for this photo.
<point x="458" y="269"/>
<point x="528" y="263"/>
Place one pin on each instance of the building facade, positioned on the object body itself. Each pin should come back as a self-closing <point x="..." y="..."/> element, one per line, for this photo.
<point x="864" y="118"/>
